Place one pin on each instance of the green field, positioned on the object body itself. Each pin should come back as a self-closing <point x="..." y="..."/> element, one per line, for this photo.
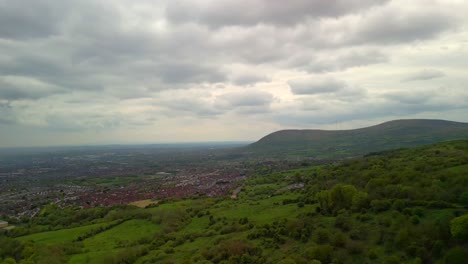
<point x="121" y="235"/>
<point x="59" y="236"/>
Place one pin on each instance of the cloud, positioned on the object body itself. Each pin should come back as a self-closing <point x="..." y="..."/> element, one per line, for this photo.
<point x="114" y="66"/>
<point x="189" y="72"/>
<point x="339" y="60"/>
<point x="244" y="99"/>
<point x="323" y="113"/>
<point x="394" y="24"/>
<point x="423" y="75"/>
<point x="29" y="19"/>
<point x="17" y="88"/>
<point x="316" y="85"/>
<point x="243" y="12"/>
<point x="249" y="79"/>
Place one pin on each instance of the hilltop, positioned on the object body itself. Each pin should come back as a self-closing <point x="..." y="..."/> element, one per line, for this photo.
<point x="324" y="144"/>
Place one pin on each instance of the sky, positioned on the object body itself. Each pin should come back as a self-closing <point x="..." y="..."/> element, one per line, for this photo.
<point x="125" y="71"/>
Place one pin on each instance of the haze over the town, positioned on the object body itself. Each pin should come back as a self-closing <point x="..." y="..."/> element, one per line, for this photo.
<point x="99" y="72"/>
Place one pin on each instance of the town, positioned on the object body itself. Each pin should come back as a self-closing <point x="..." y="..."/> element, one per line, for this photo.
<point x="119" y="176"/>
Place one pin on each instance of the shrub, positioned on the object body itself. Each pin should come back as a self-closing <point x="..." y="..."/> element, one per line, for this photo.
<point x="355" y="247"/>
<point x="322" y="236"/>
<point x="456" y="255"/>
<point x="323" y="253"/>
<point x="343" y="222"/>
<point x="459" y="227"/>
<point x="380" y="205"/>
<point x="339" y="239"/>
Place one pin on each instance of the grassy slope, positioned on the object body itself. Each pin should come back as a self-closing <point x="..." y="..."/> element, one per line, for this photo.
<point x="350" y="143"/>
<point x="193" y="230"/>
<point x="110" y="242"/>
<point x="59" y="236"/>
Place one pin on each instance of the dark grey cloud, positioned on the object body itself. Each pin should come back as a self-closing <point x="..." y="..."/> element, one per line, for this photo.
<point x="243" y="12"/>
<point x="6" y="113"/>
<point x="341" y="61"/>
<point x="22" y="19"/>
<point x="406" y="97"/>
<point x="317" y="85"/>
<point x="249" y="79"/>
<point x="189" y="73"/>
<point x="23" y="88"/>
<point x="425" y="74"/>
<point x="363" y="110"/>
<point x="396" y="25"/>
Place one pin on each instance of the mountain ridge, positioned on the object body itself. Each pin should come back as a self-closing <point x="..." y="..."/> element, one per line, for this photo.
<point x="402" y="133"/>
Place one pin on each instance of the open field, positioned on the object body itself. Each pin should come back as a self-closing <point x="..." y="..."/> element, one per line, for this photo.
<point x="143" y="203"/>
<point x="60" y="236"/>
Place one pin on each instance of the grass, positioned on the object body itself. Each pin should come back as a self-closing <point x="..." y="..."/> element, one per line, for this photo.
<point x="59" y="236"/>
<point x="98" y="257"/>
<point x="125" y="233"/>
<point x="143" y="203"/>
<point x="261" y="212"/>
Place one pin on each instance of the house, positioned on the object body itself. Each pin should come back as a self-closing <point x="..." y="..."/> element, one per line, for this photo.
<point x="3" y="224"/>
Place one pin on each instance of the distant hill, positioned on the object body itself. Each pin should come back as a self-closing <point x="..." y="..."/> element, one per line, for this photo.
<point x="324" y="144"/>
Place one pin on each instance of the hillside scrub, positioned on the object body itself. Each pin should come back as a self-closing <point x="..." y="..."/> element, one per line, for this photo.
<point x="404" y="206"/>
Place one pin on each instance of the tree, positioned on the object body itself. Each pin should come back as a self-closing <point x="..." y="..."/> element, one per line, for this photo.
<point x="9" y="261"/>
<point x="360" y="200"/>
<point x="341" y="196"/>
<point x="324" y="200"/>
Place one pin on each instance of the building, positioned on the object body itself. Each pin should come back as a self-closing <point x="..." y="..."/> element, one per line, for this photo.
<point x="3" y="224"/>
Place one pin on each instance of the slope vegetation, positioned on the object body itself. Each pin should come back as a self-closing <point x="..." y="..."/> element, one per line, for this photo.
<point x="401" y="206"/>
<point x="350" y="143"/>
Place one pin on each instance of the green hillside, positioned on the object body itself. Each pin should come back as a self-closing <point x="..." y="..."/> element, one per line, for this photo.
<point x="400" y="206"/>
<point x="325" y="144"/>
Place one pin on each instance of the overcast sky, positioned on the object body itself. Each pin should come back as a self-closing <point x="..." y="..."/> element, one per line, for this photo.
<point x="126" y="71"/>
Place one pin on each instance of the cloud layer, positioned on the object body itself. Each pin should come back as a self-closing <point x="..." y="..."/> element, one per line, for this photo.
<point x="102" y="71"/>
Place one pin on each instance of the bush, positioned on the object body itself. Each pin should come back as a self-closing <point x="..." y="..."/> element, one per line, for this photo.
<point x="355" y="247"/>
<point x="456" y="255"/>
<point x="380" y="205"/>
<point x="339" y="239"/>
<point x="321" y="236"/>
<point x="399" y="205"/>
<point x="459" y="227"/>
<point x="322" y="253"/>
<point x="343" y="222"/>
<point x="373" y="254"/>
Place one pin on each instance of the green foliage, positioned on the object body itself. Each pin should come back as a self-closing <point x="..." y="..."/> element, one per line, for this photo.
<point x="464" y="198"/>
<point x="394" y="207"/>
<point x="9" y="261"/>
<point x="322" y="253"/>
<point x="360" y="201"/>
<point x="457" y="255"/>
<point x="10" y="248"/>
<point x="342" y="196"/>
<point x="459" y="227"/>
<point x="234" y="251"/>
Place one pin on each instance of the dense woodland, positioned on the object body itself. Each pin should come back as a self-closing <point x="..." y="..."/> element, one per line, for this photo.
<point x="400" y="206"/>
